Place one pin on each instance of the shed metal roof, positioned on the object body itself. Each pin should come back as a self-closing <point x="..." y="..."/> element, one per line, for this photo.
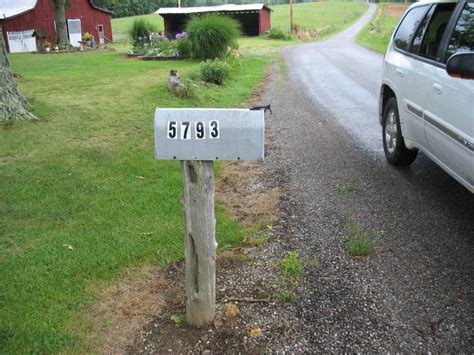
<point x="200" y="9"/>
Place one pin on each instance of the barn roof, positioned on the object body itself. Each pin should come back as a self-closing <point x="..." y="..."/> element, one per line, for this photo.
<point x="201" y="9"/>
<point x="12" y="8"/>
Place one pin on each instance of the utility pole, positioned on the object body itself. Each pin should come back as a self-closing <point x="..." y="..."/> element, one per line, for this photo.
<point x="291" y="16"/>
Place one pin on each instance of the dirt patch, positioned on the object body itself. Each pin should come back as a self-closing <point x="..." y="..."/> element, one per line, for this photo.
<point x="394" y="10"/>
<point x="241" y="186"/>
<point x="241" y="189"/>
<point x="244" y="305"/>
<point x="125" y="307"/>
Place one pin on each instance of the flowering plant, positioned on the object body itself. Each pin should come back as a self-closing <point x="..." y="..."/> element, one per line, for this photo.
<point x="181" y="35"/>
<point x="46" y="44"/>
<point x="87" y="36"/>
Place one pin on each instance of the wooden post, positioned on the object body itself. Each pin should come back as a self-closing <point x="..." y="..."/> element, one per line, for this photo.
<point x="200" y="241"/>
<point x="291" y="17"/>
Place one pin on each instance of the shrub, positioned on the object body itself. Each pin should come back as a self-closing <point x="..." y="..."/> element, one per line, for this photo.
<point x="184" y="47"/>
<point x="215" y="71"/>
<point x="210" y="35"/>
<point x="140" y="32"/>
<point x="278" y="33"/>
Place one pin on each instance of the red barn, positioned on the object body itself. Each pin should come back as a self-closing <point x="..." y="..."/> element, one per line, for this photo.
<point x="19" y="18"/>
<point x="254" y="18"/>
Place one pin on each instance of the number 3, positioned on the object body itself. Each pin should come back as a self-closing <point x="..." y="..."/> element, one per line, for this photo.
<point x="214" y="129"/>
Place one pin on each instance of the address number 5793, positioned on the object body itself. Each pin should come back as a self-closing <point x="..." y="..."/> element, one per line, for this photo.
<point x="188" y="130"/>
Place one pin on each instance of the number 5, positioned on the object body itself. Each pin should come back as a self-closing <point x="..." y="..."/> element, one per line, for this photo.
<point x="172" y="130"/>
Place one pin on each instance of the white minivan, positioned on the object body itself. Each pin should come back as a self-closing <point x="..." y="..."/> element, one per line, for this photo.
<point x="427" y="93"/>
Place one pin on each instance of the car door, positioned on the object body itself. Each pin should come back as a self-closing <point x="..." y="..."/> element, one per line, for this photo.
<point x="449" y="110"/>
<point x="411" y="96"/>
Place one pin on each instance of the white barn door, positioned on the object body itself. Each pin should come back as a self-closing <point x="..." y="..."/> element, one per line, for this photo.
<point x="75" y="32"/>
<point x="22" y="41"/>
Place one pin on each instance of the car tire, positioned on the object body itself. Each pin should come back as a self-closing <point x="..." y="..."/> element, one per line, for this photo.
<point x="393" y="144"/>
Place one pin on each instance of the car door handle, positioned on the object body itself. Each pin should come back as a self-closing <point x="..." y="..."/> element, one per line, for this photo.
<point x="400" y="72"/>
<point x="438" y="89"/>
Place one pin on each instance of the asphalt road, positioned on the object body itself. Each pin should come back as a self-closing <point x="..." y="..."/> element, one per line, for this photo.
<point x="416" y="291"/>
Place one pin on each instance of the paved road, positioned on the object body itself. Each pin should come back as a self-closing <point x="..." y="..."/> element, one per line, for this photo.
<point x="416" y="292"/>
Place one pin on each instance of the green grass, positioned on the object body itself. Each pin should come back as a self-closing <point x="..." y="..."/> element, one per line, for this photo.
<point x="291" y="266"/>
<point x="85" y="176"/>
<point x="319" y="15"/>
<point x="358" y="243"/>
<point x="121" y="26"/>
<point x="376" y="34"/>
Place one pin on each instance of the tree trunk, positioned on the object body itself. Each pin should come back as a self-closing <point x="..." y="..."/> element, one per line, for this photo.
<point x="200" y="226"/>
<point x="12" y="102"/>
<point x="62" y="38"/>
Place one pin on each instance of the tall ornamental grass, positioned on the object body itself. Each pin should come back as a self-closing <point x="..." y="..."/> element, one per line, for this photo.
<point x="210" y="35"/>
<point x="141" y="31"/>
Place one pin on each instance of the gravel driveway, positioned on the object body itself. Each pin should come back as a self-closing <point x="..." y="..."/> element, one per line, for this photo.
<point x="415" y="293"/>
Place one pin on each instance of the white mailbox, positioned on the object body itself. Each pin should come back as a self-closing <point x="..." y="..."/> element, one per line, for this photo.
<point x="209" y="134"/>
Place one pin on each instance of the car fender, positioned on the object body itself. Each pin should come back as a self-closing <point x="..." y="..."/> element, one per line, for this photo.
<point x="386" y="85"/>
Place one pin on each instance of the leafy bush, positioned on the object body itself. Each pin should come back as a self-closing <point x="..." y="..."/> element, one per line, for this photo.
<point x="184" y="47"/>
<point x="278" y="33"/>
<point x="211" y="34"/>
<point x="140" y="32"/>
<point x="215" y="71"/>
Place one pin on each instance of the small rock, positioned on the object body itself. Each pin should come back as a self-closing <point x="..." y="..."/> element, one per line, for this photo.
<point x="218" y="323"/>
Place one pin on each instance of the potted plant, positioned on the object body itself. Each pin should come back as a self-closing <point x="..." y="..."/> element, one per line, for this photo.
<point x="46" y="46"/>
<point x="87" y="37"/>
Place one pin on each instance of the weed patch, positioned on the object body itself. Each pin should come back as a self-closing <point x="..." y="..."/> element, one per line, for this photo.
<point x="359" y="243"/>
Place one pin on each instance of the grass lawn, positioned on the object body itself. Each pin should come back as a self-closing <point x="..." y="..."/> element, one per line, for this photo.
<point x="84" y="176"/>
<point x="376" y="34"/>
<point x="319" y="15"/>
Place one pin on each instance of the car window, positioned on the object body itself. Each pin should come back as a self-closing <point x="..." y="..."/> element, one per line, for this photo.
<point x="409" y="25"/>
<point x="434" y="33"/>
<point x="415" y="47"/>
<point x="462" y="39"/>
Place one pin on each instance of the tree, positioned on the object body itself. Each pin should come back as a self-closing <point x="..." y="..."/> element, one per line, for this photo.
<point x="12" y="102"/>
<point x="62" y="38"/>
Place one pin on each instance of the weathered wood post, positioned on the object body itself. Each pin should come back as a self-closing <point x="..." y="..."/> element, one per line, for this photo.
<point x="197" y="137"/>
<point x="200" y="241"/>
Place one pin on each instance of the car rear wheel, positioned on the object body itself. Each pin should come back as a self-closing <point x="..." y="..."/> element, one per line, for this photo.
<point x="393" y="144"/>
